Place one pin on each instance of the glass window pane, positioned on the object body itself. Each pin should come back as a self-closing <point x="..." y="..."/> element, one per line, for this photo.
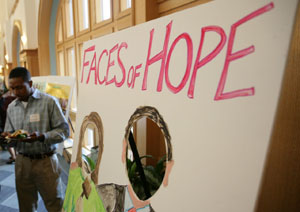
<point x="72" y="72"/>
<point x="60" y="34"/>
<point x="80" y="53"/>
<point x="83" y="9"/>
<point x="125" y="4"/>
<point x="103" y="10"/>
<point x="89" y="137"/>
<point x="74" y="99"/>
<point x="69" y="17"/>
<point x="71" y="62"/>
<point x="61" y="63"/>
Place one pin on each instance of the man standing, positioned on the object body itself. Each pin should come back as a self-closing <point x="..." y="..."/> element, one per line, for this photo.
<point x="36" y="168"/>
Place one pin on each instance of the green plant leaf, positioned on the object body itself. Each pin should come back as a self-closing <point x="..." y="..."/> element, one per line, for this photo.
<point x="161" y="166"/>
<point x="151" y="176"/>
<point x="129" y="164"/>
<point x="89" y="161"/>
<point x="154" y="176"/>
<point x="132" y="171"/>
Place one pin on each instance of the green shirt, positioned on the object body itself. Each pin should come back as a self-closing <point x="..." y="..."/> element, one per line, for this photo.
<point x="74" y="191"/>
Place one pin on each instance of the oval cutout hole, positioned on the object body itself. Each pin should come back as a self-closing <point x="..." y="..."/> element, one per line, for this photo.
<point x="145" y="141"/>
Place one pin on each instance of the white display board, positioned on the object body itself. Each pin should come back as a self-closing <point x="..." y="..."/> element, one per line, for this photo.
<point x="66" y="86"/>
<point x="214" y="73"/>
<point x="60" y="80"/>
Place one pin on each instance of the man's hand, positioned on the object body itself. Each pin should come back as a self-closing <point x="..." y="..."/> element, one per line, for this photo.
<point x="36" y="136"/>
<point x="5" y="134"/>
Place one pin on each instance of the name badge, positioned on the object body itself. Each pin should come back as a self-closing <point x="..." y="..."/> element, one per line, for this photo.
<point x="34" y="118"/>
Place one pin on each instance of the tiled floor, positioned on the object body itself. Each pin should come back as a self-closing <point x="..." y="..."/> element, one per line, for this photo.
<point x="8" y="195"/>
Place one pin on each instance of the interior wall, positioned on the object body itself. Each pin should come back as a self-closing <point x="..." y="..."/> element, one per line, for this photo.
<point x="23" y="12"/>
<point x="45" y="10"/>
<point x="31" y="24"/>
<point x="2" y="54"/>
<point x="19" y="15"/>
<point x="3" y="16"/>
<point x="17" y="30"/>
<point x="52" y="28"/>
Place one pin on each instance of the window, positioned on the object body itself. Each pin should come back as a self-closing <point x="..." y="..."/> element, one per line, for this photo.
<point x="71" y="62"/>
<point x="125" y="4"/>
<point x="79" y="21"/>
<point x="103" y="10"/>
<point x="83" y="14"/>
<point x="60" y="33"/>
<point x="80" y="46"/>
<point x="72" y="72"/>
<point x="89" y="137"/>
<point x="69" y="18"/>
<point x="61" y="63"/>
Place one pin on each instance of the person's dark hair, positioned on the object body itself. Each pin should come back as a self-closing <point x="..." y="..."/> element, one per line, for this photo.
<point x="20" y="72"/>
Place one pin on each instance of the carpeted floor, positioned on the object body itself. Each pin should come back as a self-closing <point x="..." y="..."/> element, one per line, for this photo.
<point x="8" y="195"/>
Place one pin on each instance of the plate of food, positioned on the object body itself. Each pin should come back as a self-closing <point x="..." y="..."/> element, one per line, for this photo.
<point x="17" y="135"/>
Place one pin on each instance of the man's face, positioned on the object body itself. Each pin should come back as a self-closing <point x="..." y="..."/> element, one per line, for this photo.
<point x="20" y="89"/>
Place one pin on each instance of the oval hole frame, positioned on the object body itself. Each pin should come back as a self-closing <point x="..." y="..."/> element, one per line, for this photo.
<point x="153" y="114"/>
<point x="95" y="119"/>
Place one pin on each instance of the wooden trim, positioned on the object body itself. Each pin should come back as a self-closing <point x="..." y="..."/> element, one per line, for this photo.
<point x="115" y="9"/>
<point x="145" y="10"/>
<point x="172" y="6"/>
<point x="29" y="58"/>
<point x="124" y="22"/>
<point x="83" y="38"/>
<point x="151" y="10"/>
<point x="102" y="31"/>
<point x="102" y="24"/>
<point x="167" y="5"/>
<point x="280" y="185"/>
<point x="78" y="66"/>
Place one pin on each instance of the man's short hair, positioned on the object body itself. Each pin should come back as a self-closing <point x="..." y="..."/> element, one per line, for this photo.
<point x="20" y="72"/>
